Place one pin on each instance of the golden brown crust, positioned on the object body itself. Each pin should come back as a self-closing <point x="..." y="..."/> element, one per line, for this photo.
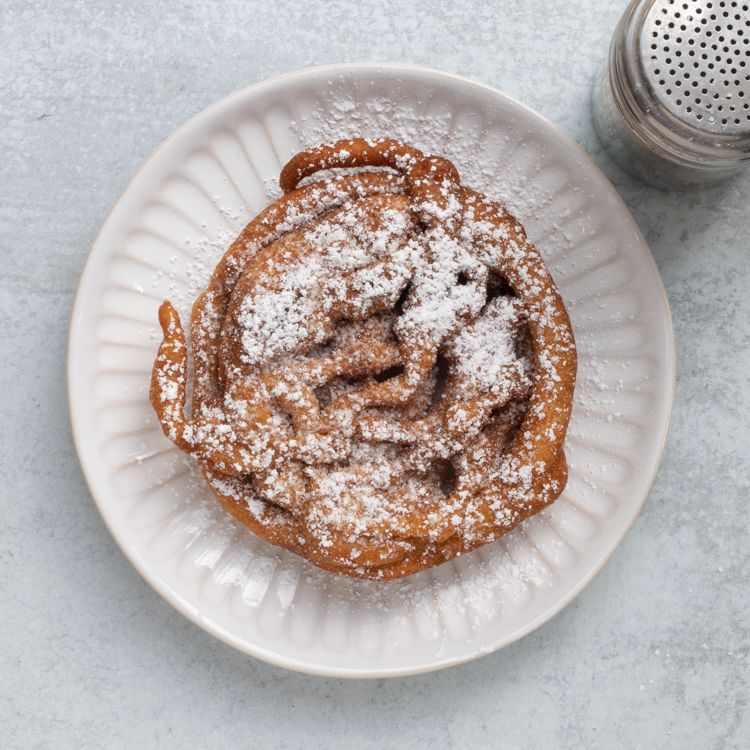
<point x="384" y="369"/>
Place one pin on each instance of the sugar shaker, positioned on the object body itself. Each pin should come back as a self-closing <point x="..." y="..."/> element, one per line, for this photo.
<point x="671" y="103"/>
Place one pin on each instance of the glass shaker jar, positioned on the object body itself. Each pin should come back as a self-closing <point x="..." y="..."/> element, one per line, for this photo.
<point x="672" y="102"/>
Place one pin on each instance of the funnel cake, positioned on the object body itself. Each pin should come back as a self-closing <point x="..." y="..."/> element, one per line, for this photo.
<point x="383" y="369"/>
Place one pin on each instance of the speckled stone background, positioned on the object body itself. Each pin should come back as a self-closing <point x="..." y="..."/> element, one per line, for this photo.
<point x="654" y="654"/>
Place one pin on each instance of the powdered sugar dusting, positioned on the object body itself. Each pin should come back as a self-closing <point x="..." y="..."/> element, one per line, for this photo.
<point x="367" y="468"/>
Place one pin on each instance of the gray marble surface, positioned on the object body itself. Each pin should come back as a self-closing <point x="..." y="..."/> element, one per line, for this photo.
<point x="653" y="654"/>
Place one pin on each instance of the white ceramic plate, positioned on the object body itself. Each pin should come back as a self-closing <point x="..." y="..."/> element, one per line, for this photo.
<point x="162" y="239"/>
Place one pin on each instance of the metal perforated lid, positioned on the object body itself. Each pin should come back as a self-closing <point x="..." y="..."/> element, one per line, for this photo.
<point x="696" y="60"/>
